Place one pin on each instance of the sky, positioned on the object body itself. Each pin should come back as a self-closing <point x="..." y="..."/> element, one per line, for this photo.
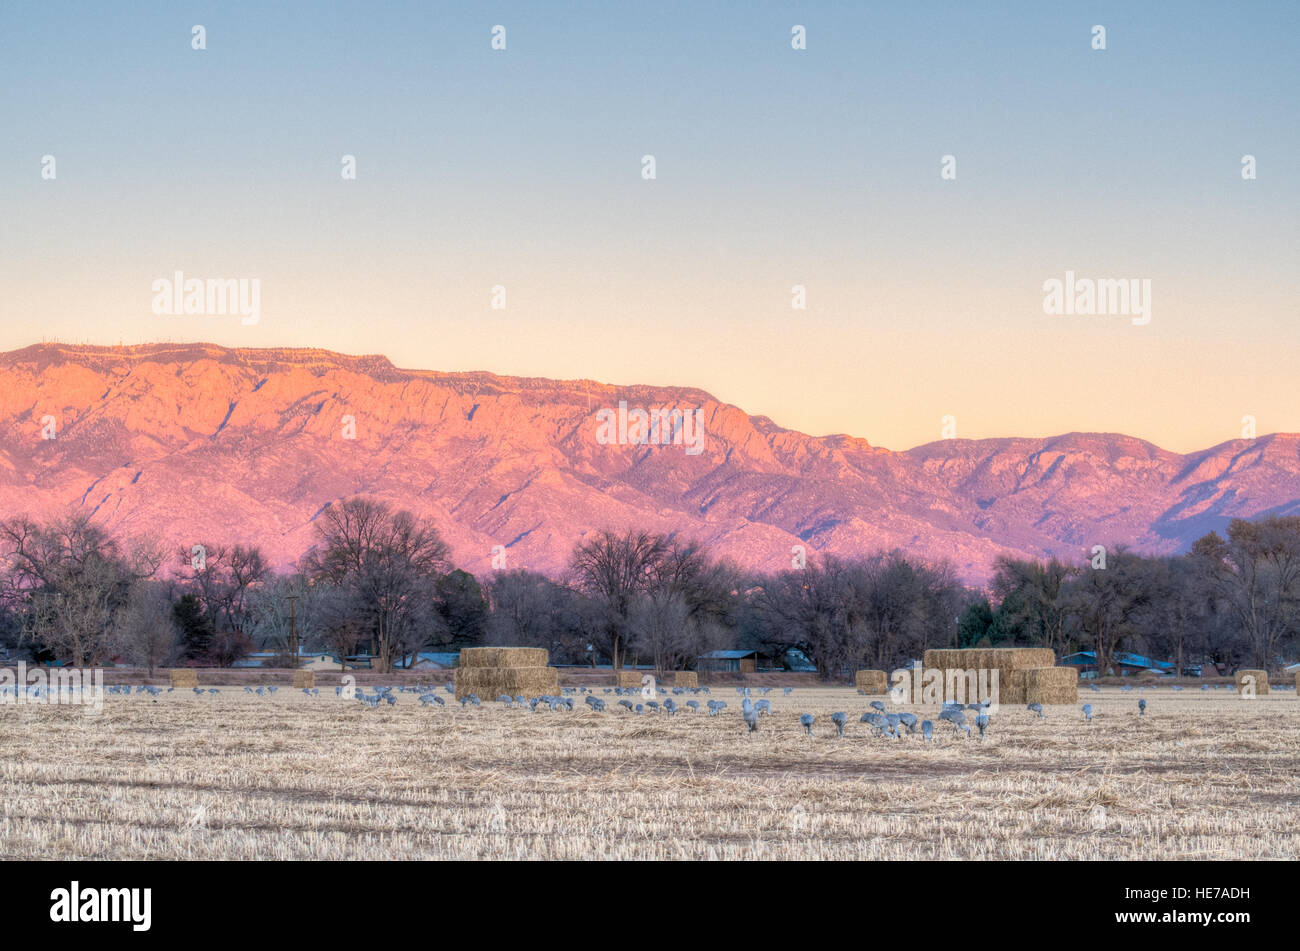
<point x="774" y="167"/>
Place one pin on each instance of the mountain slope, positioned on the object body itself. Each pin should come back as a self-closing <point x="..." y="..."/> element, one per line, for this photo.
<point x="194" y="442"/>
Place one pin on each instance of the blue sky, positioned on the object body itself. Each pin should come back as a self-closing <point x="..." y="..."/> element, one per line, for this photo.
<point x="774" y="167"/>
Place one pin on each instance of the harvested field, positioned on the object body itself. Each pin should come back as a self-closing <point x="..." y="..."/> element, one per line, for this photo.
<point x="1205" y="774"/>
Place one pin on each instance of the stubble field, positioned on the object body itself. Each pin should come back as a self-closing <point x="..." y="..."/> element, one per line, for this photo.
<point x="1204" y="775"/>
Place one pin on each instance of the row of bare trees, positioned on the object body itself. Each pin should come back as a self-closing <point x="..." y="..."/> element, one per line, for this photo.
<point x="1231" y="600"/>
<point x="381" y="580"/>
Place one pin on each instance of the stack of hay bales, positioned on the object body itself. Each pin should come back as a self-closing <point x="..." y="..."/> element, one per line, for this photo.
<point x="1051" y="685"/>
<point x="686" y="678"/>
<point x="874" y="682"/>
<point x="629" y="678"/>
<point x="185" y="677"/>
<point x="1261" y="680"/>
<point x="517" y="671"/>
<point x="304" y="678"/>
<point x="1025" y="674"/>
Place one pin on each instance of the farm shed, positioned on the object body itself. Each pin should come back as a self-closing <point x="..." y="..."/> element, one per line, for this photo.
<point x="743" y="662"/>
<point x="1125" y="665"/>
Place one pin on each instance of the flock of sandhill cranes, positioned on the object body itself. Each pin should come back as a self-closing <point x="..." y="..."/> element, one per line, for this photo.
<point x="881" y="721"/>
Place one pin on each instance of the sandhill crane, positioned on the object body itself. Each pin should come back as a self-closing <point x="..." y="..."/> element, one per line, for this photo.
<point x="694" y="705"/>
<point x="982" y="721"/>
<point x="1037" y="708"/>
<point x="927" y="728"/>
<point x="956" y="718"/>
<point x="788" y="690"/>
<point x="878" y="723"/>
<point x="749" y="714"/>
<point x="806" y="721"/>
<point x="764" y="706"/>
<point x="908" y="720"/>
<point x="507" y="700"/>
<point x="839" y="719"/>
<point x="671" y="706"/>
<point x="1087" y="712"/>
<point x="1142" y="708"/>
<point x="626" y="704"/>
<point x="877" y="705"/>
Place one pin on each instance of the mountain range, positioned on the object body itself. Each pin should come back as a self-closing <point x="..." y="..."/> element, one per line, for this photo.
<point x="197" y="443"/>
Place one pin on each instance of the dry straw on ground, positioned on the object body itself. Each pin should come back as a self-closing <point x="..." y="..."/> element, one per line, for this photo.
<point x="874" y="682"/>
<point x="304" y="679"/>
<point x="686" y="678"/>
<point x="1261" y="680"/>
<point x="1051" y="685"/>
<point x="184" y="677"/>
<point x="1204" y="775"/>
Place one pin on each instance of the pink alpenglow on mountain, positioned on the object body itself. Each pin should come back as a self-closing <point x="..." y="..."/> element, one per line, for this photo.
<point x="183" y="443"/>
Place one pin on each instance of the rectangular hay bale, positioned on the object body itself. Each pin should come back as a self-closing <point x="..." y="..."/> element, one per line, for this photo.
<point x="184" y="677"/>
<point x="304" y="679"/>
<point x="874" y="682"/>
<point x="1010" y="663"/>
<point x="686" y="678"/>
<point x="490" y="682"/>
<point x="628" y="678"/>
<point x="504" y="657"/>
<point x="1260" y="681"/>
<point x="1051" y="685"/>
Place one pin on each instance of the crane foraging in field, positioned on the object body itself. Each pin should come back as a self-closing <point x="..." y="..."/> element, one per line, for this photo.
<point x="749" y="714"/>
<point x="982" y="721"/>
<point x="1037" y="708"/>
<point x="1142" y="708"/>
<point x="927" y="728"/>
<point x="806" y="721"/>
<point x="878" y="706"/>
<point x="839" y="719"/>
<point x="956" y="718"/>
<point x="908" y="720"/>
<point x="879" y="724"/>
<point x="1087" y="712"/>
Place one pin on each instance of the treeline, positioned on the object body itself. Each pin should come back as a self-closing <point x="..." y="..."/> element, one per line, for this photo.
<point x="380" y="581"/>
<point x="1231" y="601"/>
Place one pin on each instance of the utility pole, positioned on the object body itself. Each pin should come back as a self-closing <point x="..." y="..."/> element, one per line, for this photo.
<point x="293" y="632"/>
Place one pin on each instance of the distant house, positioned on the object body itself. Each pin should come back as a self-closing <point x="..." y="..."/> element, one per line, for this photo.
<point x="430" y="660"/>
<point x="1125" y="665"/>
<point x="724" y="662"/>
<point x="307" y="659"/>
